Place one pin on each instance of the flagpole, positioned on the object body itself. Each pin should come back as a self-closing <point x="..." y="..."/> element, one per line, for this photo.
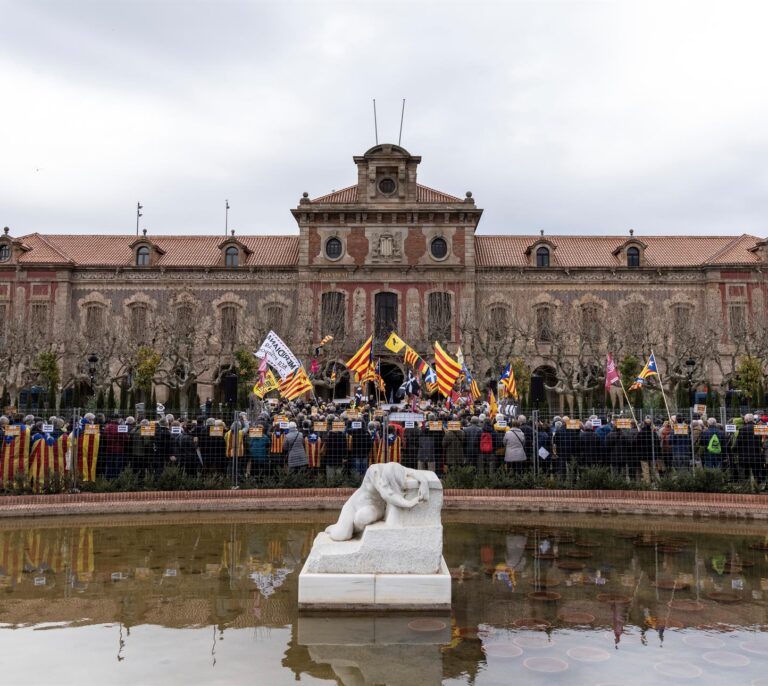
<point x="626" y="397"/>
<point x="663" y="394"/>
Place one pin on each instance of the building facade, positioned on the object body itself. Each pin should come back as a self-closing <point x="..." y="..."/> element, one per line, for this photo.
<point x="384" y="254"/>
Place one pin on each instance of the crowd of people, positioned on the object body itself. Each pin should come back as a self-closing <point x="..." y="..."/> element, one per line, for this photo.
<point x="334" y="439"/>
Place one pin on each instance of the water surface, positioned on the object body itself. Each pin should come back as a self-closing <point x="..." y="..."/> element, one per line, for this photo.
<point x="539" y="599"/>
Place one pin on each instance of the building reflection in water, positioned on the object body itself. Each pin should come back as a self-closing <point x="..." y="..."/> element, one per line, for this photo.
<point x="514" y="580"/>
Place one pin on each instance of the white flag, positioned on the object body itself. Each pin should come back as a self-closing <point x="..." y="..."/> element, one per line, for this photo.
<point x="279" y="355"/>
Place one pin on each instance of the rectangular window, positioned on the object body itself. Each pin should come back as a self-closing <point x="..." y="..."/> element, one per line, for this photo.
<point x="439" y="316"/>
<point x="38" y="319"/>
<point x="275" y="319"/>
<point x="94" y="321"/>
<point x="636" y="321"/>
<point x="497" y="323"/>
<point x="332" y="314"/>
<point x="682" y="319"/>
<point x="544" y="324"/>
<point x="229" y="325"/>
<point x="590" y="323"/>
<point x="3" y="323"/>
<point x="737" y="315"/>
<point x="139" y="322"/>
<point x="385" y="305"/>
<point x="185" y="324"/>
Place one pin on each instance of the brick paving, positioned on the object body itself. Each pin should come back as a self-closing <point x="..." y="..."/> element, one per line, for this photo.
<point x="719" y="505"/>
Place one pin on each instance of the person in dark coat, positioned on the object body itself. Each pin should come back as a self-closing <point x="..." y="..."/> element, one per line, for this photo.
<point x="590" y="446"/>
<point x="411" y="447"/>
<point x="472" y="434"/>
<point x="648" y="450"/>
<point x="336" y="449"/>
<point x="360" y="442"/>
<point x="749" y="448"/>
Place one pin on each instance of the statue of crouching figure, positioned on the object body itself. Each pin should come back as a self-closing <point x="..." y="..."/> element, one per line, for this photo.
<point x="383" y="484"/>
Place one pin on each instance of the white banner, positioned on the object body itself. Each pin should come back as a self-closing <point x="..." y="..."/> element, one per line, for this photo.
<point x="278" y="354"/>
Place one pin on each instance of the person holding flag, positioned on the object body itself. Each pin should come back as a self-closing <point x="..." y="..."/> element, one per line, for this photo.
<point x="14" y="450"/>
<point x="313" y="446"/>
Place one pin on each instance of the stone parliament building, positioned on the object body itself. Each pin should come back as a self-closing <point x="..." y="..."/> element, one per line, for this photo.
<point x="386" y="253"/>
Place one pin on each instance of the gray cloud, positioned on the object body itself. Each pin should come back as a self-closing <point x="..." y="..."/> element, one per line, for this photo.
<point x="570" y="117"/>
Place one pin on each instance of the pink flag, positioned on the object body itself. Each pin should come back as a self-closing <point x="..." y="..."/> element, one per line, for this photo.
<point x="611" y="375"/>
<point x="314" y="367"/>
<point x="263" y="368"/>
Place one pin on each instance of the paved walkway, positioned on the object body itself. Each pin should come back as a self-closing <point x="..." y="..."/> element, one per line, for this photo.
<point x="673" y="504"/>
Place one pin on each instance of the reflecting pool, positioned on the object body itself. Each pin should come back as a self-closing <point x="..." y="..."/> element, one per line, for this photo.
<point x="537" y="599"/>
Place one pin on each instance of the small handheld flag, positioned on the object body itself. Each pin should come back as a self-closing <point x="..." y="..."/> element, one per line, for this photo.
<point x="649" y="370"/>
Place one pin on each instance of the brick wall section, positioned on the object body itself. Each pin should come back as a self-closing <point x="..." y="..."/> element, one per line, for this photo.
<point x="357" y="244"/>
<point x="728" y="505"/>
<point x="313" y="244"/>
<point x="458" y="244"/>
<point x="415" y="246"/>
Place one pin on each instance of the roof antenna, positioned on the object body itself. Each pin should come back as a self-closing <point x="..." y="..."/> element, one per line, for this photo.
<point x="375" y="123"/>
<point x="226" y="216"/>
<point x="402" y="114"/>
<point x="139" y="208"/>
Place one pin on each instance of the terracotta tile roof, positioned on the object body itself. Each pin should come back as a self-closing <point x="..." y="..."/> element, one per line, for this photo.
<point x="597" y="251"/>
<point x="179" y="251"/>
<point x="344" y="196"/>
<point x="349" y="195"/>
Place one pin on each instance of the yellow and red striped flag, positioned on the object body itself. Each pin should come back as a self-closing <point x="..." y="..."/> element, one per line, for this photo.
<point x="296" y="384"/>
<point x="448" y="370"/>
<point x="363" y="358"/>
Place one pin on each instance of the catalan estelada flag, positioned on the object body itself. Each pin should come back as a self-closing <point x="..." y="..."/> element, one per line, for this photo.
<point x="363" y="358"/>
<point x="14" y="452"/>
<point x="507" y="380"/>
<point x="87" y="450"/>
<point x="229" y="442"/>
<point x="48" y="456"/>
<point x="649" y="370"/>
<point x="295" y="384"/>
<point x="474" y="391"/>
<point x="313" y="446"/>
<point x="447" y="368"/>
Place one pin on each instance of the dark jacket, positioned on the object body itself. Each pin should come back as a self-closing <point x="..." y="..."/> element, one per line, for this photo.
<point x="453" y="446"/>
<point x="472" y="435"/>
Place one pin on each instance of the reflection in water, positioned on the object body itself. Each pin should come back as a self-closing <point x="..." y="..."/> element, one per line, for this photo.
<point x="216" y="599"/>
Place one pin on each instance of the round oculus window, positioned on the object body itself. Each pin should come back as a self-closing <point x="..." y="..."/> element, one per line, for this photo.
<point x="333" y="248"/>
<point x="387" y="186"/>
<point x="5" y="252"/>
<point x="439" y="248"/>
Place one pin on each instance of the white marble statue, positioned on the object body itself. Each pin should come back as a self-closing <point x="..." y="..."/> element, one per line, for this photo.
<point x="383" y="484"/>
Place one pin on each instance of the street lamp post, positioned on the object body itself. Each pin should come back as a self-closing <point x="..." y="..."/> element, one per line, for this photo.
<point x="690" y="365"/>
<point x="92" y="361"/>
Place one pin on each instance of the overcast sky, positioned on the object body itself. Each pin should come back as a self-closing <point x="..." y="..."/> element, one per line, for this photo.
<point x="570" y="117"/>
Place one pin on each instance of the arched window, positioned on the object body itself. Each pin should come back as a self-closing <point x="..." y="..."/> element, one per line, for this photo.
<point x="636" y="322"/>
<point x="5" y="252"/>
<point x="142" y="256"/>
<point x="542" y="257"/>
<point x="439" y="316"/>
<point x="185" y="320"/>
<point x="231" y="256"/>
<point x="633" y="257"/>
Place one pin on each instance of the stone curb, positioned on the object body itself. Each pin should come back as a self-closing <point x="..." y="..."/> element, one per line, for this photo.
<point x="728" y="505"/>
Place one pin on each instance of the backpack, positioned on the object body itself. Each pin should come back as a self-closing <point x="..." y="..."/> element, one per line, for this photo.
<point x="486" y="443"/>
<point x="714" y="446"/>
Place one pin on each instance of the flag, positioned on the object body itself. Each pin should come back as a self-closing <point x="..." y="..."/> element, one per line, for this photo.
<point x="325" y="341"/>
<point x="363" y="358"/>
<point x="295" y="385"/>
<point x="394" y="343"/>
<point x="430" y="380"/>
<point x="263" y="369"/>
<point x="314" y="366"/>
<point x="269" y="384"/>
<point x="611" y="375"/>
<point x="493" y="408"/>
<point x="507" y="380"/>
<point x="474" y="391"/>
<point x="373" y="375"/>
<point x="333" y="374"/>
<point x="642" y="377"/>
<point x="447" y="370"/>
<point x="460" y="356"/>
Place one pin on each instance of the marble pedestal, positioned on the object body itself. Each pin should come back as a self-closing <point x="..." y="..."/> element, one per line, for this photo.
<point x="397" y="651"/>
<point x="395" y="564"/>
